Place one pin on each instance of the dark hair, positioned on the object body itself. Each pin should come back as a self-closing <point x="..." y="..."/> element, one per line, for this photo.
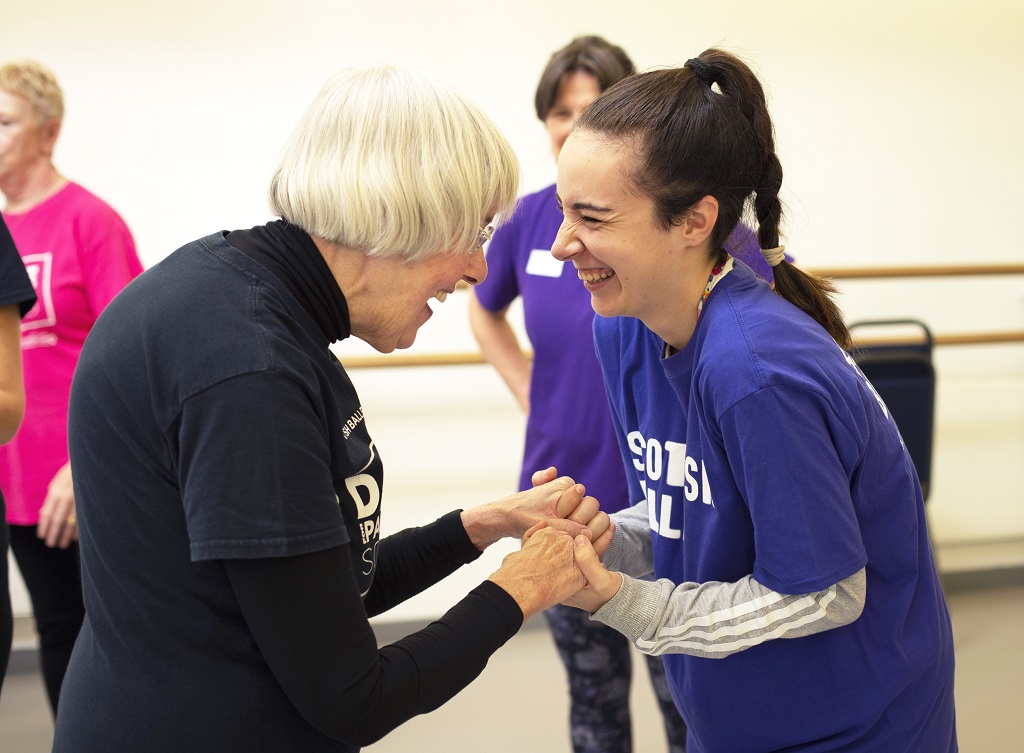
<point x="598" y="57"/>
<point x="703" y="130"/>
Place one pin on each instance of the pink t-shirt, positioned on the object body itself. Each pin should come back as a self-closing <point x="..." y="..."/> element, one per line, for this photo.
<point x="79" y="255"/>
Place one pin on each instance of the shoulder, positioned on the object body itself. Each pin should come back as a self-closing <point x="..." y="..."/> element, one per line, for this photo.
<point x="205" y="293"/>
<point x="752" y="339"/>
<point x="75" y="197"/>
<point x="538" y="208"/>
<point x="92" y="217"/>
<point x="532" y="226"/>
<point x="207" y="313"/>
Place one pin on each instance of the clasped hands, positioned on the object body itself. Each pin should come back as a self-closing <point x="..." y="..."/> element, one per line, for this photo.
<point x="560" y="558"/>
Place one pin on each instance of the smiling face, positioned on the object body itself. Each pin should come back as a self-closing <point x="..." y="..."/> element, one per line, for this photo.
<point x="609" y="232"/>
<point x="401" y="305"/>
<point x="24" y="141"/>
<point x="630" y="263"/>
<point x="576" y="90"/>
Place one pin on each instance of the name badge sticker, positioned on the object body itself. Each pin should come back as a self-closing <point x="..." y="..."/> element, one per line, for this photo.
<point x="543" y="264"/>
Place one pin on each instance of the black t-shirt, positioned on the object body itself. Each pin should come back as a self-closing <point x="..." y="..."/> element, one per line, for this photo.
<point x="218" y="445"/>
<point x="15" y="285"/>
<point x="15" y="288"/>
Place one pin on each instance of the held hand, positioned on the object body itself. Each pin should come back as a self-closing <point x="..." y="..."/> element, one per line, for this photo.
<point x="58" y="525"/>
<point x="584" y="510"/>
<point x="515" y="514"/>
<point x="544" y="572"/>
<point x="569" y="527"/>
<point x="601" y="586"/>
<point x="572" y="498"/>
<point x="527" y="508"/>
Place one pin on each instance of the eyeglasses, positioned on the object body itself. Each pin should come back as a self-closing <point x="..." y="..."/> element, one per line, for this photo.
<point x="485" y="235"/>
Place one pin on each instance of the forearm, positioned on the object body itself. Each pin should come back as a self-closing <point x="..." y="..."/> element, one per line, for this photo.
<point x="308" y="621"/>
<point x="410" y="561"/>
<point x="500" y="347"/>
<point x="714" y="619"/>
<point x="630" y="551"/>
<point x="12" y="410"/>
<point x="425" y="669"/>
<point x="12" y="390"/>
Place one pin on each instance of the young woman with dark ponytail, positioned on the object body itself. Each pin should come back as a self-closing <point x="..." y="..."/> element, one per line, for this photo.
<point x="797" y="602"/>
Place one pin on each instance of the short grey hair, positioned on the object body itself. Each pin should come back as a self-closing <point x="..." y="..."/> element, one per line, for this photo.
<point x="394" y="162"/>
<point x="36" y="84"/>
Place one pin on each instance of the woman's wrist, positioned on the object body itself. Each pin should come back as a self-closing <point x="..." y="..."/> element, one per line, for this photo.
<point x="486" y="524"/>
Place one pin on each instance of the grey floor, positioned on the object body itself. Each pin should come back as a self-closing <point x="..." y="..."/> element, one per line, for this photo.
<point x="519" y="702"/>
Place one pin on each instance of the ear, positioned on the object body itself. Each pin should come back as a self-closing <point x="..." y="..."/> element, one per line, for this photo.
<point x="700" y="221"/>
<point x="50" y="131"/>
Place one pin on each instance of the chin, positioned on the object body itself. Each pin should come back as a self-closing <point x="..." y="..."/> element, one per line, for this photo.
<point x="605" y="309"/>
<point x="406" y="339"/>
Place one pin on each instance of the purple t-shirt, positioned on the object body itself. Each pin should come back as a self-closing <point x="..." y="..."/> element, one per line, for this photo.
<point x="569" y="425"/>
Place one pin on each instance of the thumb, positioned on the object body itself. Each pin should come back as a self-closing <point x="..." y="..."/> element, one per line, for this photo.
<point x="540" y="478"/>
<point x="533" y="530"/>
<point x="588" y="562"/>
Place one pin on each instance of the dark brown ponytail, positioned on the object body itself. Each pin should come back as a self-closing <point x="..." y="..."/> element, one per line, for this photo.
<point x="701" y="130"/>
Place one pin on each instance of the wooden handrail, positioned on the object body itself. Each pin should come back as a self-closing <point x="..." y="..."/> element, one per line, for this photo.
<point x="412" y="359"/>
<point x="837" y="273"/>
<point x="980" y="338"/>
<point x="938" y="270"/>
<point x="468" y="359"/>
<point x="873" y="273"/>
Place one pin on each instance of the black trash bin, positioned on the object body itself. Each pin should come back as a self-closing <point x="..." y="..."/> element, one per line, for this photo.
<point x="901" y="370"/>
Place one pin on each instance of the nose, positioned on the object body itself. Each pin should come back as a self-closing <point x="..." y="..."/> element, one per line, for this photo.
<point x="566" y="244"/>
<point x="476" y="268"/>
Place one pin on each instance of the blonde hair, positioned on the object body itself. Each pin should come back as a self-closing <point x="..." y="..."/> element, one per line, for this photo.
<point x="394" y="162"/>
<point x="36" y="84"/>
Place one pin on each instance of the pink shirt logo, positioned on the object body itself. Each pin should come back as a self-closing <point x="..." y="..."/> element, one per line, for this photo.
<point x="40" y="272"/>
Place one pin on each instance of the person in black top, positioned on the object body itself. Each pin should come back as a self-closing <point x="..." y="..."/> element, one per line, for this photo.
<point x="17" y="297"/>
<point x="229" y="489"/>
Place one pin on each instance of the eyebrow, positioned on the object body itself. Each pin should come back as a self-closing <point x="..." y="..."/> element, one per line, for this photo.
<point x="583" y="205"/>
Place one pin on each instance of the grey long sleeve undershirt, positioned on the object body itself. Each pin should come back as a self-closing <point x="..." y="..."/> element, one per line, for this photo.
<point x="713" y="619"/>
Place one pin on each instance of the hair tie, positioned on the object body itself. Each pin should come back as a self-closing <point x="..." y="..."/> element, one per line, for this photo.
<point x="702" y="70"/>
<point x="774" y="255"/>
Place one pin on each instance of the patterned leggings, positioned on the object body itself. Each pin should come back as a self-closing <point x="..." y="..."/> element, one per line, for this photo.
<point x="597" y="661"/>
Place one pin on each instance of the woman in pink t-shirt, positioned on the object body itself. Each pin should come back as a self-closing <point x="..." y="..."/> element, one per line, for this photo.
<point x="79" y="255"/>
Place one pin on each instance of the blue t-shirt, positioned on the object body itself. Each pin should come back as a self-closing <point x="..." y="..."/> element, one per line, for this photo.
<point x="568" y="426"/>
<point x="762" y="450"/>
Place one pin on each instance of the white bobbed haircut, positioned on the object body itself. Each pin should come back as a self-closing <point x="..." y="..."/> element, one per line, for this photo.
<point x="394" y="162"/>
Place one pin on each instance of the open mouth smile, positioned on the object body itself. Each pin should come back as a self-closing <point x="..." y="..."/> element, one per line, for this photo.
<point x="594" y="277"/>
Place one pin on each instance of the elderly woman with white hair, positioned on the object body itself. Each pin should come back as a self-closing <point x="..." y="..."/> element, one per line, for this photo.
<point x="229" y="490"/>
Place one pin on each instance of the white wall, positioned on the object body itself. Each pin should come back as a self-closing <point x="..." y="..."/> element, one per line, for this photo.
<point x="898" y="126"/>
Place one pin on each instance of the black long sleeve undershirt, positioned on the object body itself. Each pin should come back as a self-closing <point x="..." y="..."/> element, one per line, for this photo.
<point x="412" y="560"/>
<point x="311" y="626"/>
